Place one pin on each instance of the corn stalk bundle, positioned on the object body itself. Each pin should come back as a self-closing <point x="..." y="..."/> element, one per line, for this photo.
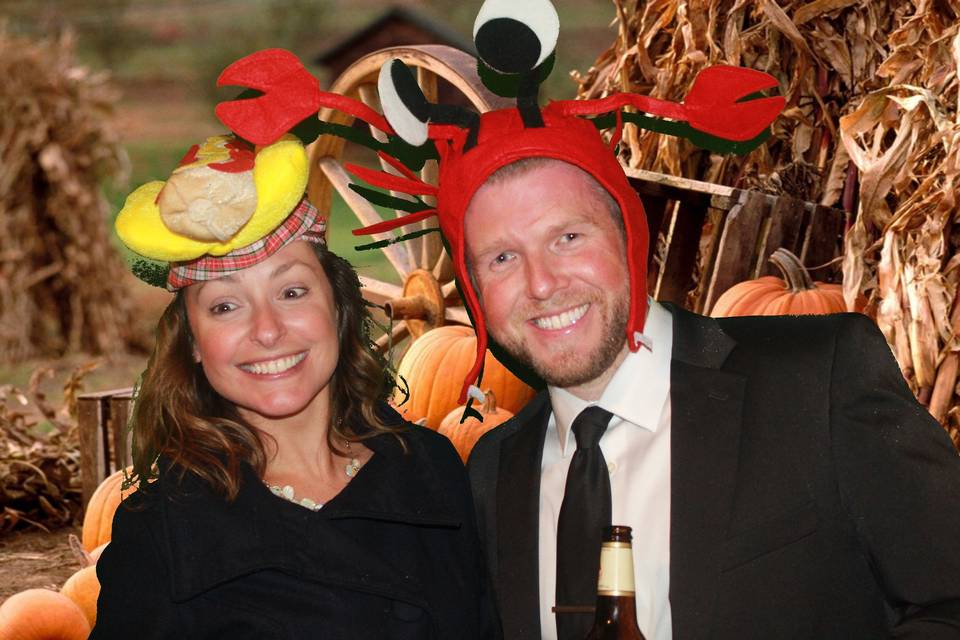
<point x="871" y="125"/>
<point x="58" y="268"/>
<point x="39" y="454"/>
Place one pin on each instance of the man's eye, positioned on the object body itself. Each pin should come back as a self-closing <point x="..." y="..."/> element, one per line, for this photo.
<point x="500" y="260"/>
<point x="294" y="292"/>
<point x="570" y="237"/>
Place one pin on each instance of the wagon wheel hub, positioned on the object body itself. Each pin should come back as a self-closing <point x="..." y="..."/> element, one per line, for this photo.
<point x="421" y="306"/>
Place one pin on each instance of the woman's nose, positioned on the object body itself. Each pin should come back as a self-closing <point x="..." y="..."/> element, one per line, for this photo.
<point x="268" y="325"/>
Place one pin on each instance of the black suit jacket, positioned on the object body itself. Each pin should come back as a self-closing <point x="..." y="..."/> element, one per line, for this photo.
<point x="811" y="495"/>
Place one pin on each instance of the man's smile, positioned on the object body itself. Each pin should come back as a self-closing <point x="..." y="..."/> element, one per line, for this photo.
<point x="561" y="320"/>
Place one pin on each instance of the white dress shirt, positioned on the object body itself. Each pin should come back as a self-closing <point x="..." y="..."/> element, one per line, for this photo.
<point x="636" y="446"/>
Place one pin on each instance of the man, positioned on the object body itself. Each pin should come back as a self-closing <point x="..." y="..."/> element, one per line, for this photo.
<point x="780" y="478"/>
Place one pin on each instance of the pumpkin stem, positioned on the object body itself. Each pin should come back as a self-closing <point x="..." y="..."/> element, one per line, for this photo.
<point x="79" y="552"/>
<point x="489" y="402"/>
<point x="793" y="271"/>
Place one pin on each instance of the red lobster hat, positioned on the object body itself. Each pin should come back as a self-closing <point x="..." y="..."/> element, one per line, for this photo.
<point x="515" y="39"/>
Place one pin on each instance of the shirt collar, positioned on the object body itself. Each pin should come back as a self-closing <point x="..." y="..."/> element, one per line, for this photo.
<point x="639" y="388"/>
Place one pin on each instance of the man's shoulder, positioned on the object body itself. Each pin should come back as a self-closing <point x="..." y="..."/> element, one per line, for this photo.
<point x="489" y="443"/>
<point x="807" y="329"/>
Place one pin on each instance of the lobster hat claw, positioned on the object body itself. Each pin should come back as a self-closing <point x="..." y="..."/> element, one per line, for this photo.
<point x="516" y="36"/>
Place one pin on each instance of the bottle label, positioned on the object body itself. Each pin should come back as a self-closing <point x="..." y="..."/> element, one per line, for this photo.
<point x="616" y="569"/>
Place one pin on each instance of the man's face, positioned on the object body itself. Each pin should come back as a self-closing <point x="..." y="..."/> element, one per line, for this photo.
<point x="549" y="264"/>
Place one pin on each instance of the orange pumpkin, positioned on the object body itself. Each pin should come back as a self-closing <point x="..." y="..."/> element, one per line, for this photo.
<point x="435" y="366"/>
<point x="84" y="589"/>
<point x="95" y="554"/>
<point x="98" y="517"/>
<point x="794" y="294"/>
<point x="40" y="614"/>
<point x="464" y="436"/>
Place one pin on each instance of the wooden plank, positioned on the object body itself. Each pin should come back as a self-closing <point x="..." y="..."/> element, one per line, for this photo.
<point x="676" y="277"/>
<point x="822" y="240"/>
<point x="736" y="251"/>
<point x="659" y="222"/>
<point x="706" y="256"/>
<point x="674" y="186"/>
<point x="120" y="407"/>
<point x="786" y="219"/>
<point x="93" y="447"/>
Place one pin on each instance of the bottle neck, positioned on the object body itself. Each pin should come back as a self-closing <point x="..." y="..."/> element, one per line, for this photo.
<point x="611" y="609"/>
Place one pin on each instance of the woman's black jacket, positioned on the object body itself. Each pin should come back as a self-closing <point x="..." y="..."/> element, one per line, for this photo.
<point x="394" y="555"/>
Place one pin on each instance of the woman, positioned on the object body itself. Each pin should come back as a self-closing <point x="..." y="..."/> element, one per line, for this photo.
<point x="278" y="495"/>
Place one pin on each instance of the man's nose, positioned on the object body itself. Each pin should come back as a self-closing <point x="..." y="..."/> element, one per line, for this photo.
<point x="543" y="277"/>
<point x="268" y="325"/>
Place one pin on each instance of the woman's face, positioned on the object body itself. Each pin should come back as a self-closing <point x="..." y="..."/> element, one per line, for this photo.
<point x="266" y="336"/>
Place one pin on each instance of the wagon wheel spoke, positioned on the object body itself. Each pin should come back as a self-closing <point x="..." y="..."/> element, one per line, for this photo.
<point x="337" y="175"/>
<point x="428" y="296"/>
<point x="449" y="289"/>
<point x="399" y="332"/>
<point x="431" y="246"/>
<point x="369" y="96"/>
<point x="379" y="292"/>
<point x="443" y="269"/>
<point x="458" y="315"/>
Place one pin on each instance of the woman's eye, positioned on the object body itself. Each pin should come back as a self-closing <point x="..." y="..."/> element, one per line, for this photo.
<point x="294" y="292"/>
<point x="221" y="308"/>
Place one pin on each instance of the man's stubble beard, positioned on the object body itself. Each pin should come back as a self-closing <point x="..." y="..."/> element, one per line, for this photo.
<point x="563" y="371"/>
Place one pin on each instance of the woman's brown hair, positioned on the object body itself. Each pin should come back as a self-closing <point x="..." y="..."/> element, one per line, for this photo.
<point x="179" y="416"/>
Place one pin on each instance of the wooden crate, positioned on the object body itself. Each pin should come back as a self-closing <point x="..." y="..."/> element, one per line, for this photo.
<point x="712" y="237"/>
<point x="104" y="438"/>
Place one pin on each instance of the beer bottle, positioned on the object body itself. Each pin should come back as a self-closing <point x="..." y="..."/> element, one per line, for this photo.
<point x="616" y="613"/>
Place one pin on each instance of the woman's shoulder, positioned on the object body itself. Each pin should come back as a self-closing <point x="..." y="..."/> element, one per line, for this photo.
<point x="171" y="485"/>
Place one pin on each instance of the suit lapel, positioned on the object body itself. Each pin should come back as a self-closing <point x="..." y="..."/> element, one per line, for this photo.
<point x="706" y="409"/>
<point x="518" y="507"/>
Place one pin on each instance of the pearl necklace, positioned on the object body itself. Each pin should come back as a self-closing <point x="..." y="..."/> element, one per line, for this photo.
<point x="353" y="466"/>
<point x="287" y="492"/>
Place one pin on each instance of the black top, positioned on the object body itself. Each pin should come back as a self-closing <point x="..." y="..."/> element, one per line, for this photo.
<point x="393" y="555"/>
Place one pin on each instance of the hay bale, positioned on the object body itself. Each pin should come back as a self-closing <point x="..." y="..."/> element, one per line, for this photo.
<point x="58" y="268"/>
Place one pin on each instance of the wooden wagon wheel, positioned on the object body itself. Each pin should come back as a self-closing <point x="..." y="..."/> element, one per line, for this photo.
<point x="428" y="297"/>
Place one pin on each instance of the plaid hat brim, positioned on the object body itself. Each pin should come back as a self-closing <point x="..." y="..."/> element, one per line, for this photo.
<point x="303" y="223"/>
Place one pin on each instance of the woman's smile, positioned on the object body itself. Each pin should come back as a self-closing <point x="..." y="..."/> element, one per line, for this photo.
<point x="276" y="366"/>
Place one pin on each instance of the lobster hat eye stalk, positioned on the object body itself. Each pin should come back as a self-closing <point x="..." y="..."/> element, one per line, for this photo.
<point x="516" y="36"/>
<point x="404" y="104"/>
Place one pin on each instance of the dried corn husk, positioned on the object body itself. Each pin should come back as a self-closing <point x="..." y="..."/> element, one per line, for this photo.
<point x="58" y="268"/>
<point x="39" y="454"/>
<point x="872" y="123"/>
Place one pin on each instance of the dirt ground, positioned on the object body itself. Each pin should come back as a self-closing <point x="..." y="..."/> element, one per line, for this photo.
<point x="36" y="559"/>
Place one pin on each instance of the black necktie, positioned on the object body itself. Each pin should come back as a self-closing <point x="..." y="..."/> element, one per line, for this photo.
<point x="583" y="515"/>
